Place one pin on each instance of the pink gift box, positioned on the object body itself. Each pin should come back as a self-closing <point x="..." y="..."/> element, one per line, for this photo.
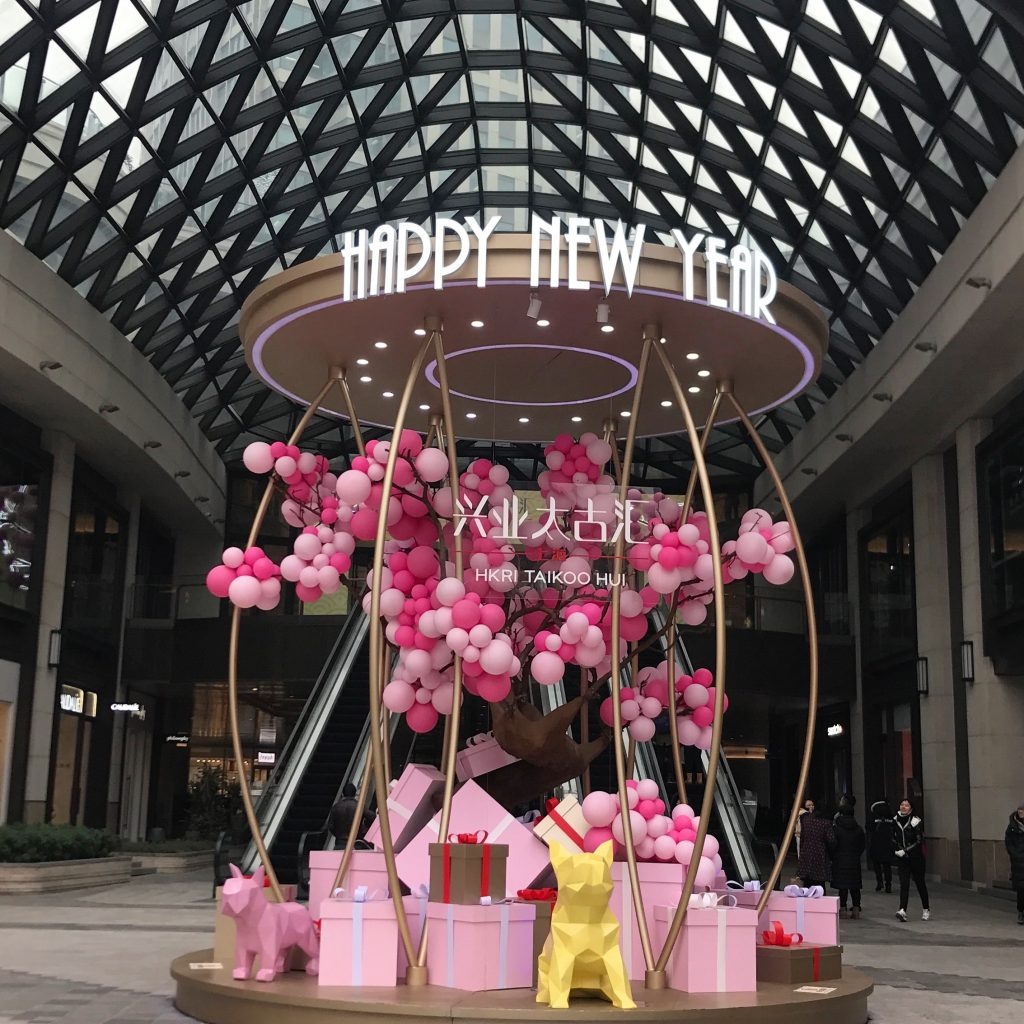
<point x="817" y="920"/>
<point x="358" y="943"/>
<point x="409" y="804"/>
<point x="661" y="885"/>
<point x="563" y="824"/>
<point x="715" y="951"/>
<point x="482" y="755"/>
<point x="366" y="867"/>
<point x="475" y="948"/>
<point x="473" y="809"/>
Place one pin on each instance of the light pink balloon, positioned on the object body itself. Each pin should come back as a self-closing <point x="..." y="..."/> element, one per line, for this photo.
<point x="285" y="466"/>
<point x="705" y="873"/>
<point x="664" y="847"/>
<point x="443" y="699"/>
<point x="547" y="668"/>
<point x="309" y="577"/>
<point x="650" y="707"/>
<point x="647" y="789"/>
<point x="432" y="465"/>
<point x="233" y="557"/>
<point x="642" y="729"/>
<point x="629" y="709"/>
<point x="599" y="808"/>
<point x="496" y="658"/>
<point x="457" y="639"/>
<point x="398" y="696"/>
<point x="693" y="613"/>
<point x="684" y="851"/>
<point x="244" y="591"/>
<point x="751" y="548"/>
<point x="695" y="696"/>
<point x="779" y="570"/>
<point x="664" y="581"/>
<point x="353" y="487"/>
<point x="636" y="823"/>
<point x="689" y="732"/>
<point x="631" y="604"/>
<point x="307" y="546"/>
<point x="257" y="457"/>
<point x="645" y="848"/>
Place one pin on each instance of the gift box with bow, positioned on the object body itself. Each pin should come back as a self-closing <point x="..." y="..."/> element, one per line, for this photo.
<point x="543" y="901"/>
<point x="715" y="951"/>
<point x="480" y="947"/>
<point x="473" y="809"/>
<point x="358" y="939"/>
<point x="807" y="911"/>
<point x="563" y="823"/>
<point x="410" y="805"/>
<point x="784" y="957"/>
<point x="662" y="885"/>
<point x="481" y="755"/>
<point x="366" y="867"/>
<point x="467" y="868"/>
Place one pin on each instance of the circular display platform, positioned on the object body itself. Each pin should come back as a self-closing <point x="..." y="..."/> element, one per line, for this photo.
<point x="213" y="996"/>
<point x="514" y="376"/>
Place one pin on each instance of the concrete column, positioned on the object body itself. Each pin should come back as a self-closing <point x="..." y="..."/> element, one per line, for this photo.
<point x="995" y="706"/>
<point x="856" y="520"/>
<point x="938" y="747"/>
<point x="130" y="500"/>
<point x="51" y="607"/>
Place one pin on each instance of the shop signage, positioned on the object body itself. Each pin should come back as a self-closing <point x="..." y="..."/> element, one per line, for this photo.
<point x="77" y="702"/>
<point x="134" y="709"/>
<point x="266" y="757"/>
<point x="834" y="730"/>
<point x="178" y="739"/>
<point x="383" y="261"/>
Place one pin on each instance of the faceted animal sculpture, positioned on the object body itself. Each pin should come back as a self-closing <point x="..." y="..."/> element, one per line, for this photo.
<point x="582" y="952"/>
<point x="266" y="930"/>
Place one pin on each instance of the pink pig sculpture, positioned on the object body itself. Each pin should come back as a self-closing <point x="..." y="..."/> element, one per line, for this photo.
<point x="267" y="930"/>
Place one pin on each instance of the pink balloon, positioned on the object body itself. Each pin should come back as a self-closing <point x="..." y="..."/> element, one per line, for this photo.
<point x="645" y="848"/>
<point x="443" y="699"/>
<point x="285" y="466"/>
<point x="599" y="808"/>
<point x="705" y="873"/>
<point x="307" y="546"/>
<point x="257" y="457"/>
<point x="596" y="837"/>
<point x="693" y="613"/>
<point x="751" y="548"/>
<point x="646" y="809"/>
<point x="421" y="717"/>
<point x="496" y="658"/>
<point x="432" y="465"/>
<point x="606" y="712"/>
<point x="422" y="562"/>
<point x="650" y="707"/>
<point x="779" y="570"/>
<point x="703" y="717"/>
<point x="642" y="729"/>
<point x="684" y="851"/>
<point x="636" y="823"/>
<point x="704" y="677"/>
<point x="695" y="696"/>
<point x="664" y="847"/>
<point x="244" y="591"/>
<point x="710" y="846"/>
<point x="219" y="579"/>
<point x="353" y="487"/>
<point x="398" y="696"/>
<point x="647" y="789"/>
<point x="629" y="709"/>
<point x="465" y="613"/>
<point x="233" y="557"/>
<point x="689" y="732"/>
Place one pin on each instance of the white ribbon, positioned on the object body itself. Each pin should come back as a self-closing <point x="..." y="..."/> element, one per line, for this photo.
<point x="709" y="900"/>
<point x="721" y="947"/>
<point x="450" y="944"/>
<point x="503" y="947"/>
<point x="801" y="895"/>
<point x="480" y="737"/>
<point x="529" y="817"/>
<point x="399" y="809"/>
<point x="744" y="886"/>
<point x="492" y="836"/>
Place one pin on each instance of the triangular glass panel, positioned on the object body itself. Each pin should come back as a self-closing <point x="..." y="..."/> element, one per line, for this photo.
<point x="686" y="160"/>
<point x="818" y="10"/>
<point x="892" y="53"/>
<point x="870" y="21"/>
<point x="787" y="117"/>
<point x="753" y="139"/>
<point x="692" y="114"/>
<point x="760" y="202"/>
<point x="704" y="179"/>
<point x="851" y="154"/>
<point x="777" y="35"/>
<point x="660" y="63"/>
<point x="998" y="58"/>
<point x="120" y="83"/>
<point x="802" y="67"/>
<point x="725" y="88"/>
<point x="773" y="162"/>
<point x="127" y="24"/>
<point x="816" y="173"/>
<point x="764" y="90"/>
<point x="832" y="129"/>
<point x="967" y="108"/>
<point x="976" y="17"/>
<point x="742" y="183"/>
<point x="734" y="34"/>
<point x="398" y="104"/>
<point x="656" y="115"/>
<point x="58" y="69"/>
<point x="700" y="61"/>
<point x="924" y="8"/>
<point x="800" y="212"/>
<point x="709" y="8"/>
<point x="651" y="162"/>
<point x="851" y="79"/>
<point x="77" y="33"/>
<point x="713" y="135"/>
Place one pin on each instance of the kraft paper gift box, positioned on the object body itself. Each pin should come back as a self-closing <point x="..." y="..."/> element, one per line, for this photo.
<point x="466" y="872"/>
<point x="366" y="867"/>
<point x="481" y="755"/>
<point x="799" y="965"/>
<point x="358" y="942"/>
<point x="541" y="927"/>
<point x="661" y="885"/>
<point x="715" y="951"/>
<point x="816" y="919"/>
<point x="410" y="804"/>
<point x="472" y="810"/>
<point x="565" y="824"/>
<point x="224" y="927"/>
<point x="475" y="948"/>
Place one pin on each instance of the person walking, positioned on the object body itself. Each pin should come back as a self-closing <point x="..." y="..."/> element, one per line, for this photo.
<point x="342" y="813"/>
<point x="808" y="808"/>
<point x="881" y="844"/>
<point x="909" y="835"/>
<point x="816" y="837"/>
<point x="846" y="850"/>
<point x="1015" y="848"/>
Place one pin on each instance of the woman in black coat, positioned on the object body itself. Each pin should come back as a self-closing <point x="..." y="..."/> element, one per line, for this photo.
<point x="1015" y="848"/>
<point x="815" y="839"/>
<point x="846" y="849"/>
<point x="881" y="844"/>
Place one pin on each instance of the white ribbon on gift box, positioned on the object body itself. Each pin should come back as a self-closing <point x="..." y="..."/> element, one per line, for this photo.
<point x="485" y="901"/>
<point x="721" y="948"/>
<point x="709" y="900"/>
<point x="361" y="895"/>
<point x="801" y="895"/>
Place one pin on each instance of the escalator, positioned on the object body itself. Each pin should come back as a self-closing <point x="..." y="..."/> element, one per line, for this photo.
<point x="321" y="753"/>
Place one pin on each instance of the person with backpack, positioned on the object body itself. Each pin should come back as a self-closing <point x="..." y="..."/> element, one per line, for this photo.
<point x="846" y="849"/>
<point x="881" y="844"/>
<point x="1015" y="848"/>
<point x="909" y="834"/>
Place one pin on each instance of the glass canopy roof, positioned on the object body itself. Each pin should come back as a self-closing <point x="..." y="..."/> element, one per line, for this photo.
<point x="164" y="157"/>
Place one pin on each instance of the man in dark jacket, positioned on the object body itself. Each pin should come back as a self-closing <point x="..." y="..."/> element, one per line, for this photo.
<point x="881" y="844"/>
<point x="847" y="847"/>
<point x="909" y="833"/>
<point x="816" y="837"/>
<point x="342" y="814"/>
<point x="1015" y="848"/>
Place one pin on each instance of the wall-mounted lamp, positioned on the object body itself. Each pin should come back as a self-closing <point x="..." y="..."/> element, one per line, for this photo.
<point x="50" y="364"/>
<point x="109" y="407"/>
<point x="926" y="346"/>
<point x="922" y="676"/>
<point x="979" y="282"/>
<point x="181" y="474"/>
<point x="967" y="661"/>
<point x="53" y="653"/>
<point x="882" y="396"/>
<point x="847" y="438"/>
<point x="153" y="444"/>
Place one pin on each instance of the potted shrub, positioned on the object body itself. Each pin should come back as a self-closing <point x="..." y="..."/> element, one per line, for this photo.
<point x="54" y="858"/>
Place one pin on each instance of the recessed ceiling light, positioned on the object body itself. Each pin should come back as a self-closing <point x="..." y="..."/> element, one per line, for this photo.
<point x="663" y="340"/>
<point x="470" y="415"/>
<point x="476" y="323"/>
<point x="389" y="394"/>
<point x="380" y="344"/>
<point x="419" y="332"/>
<point x="577" y="419"/>
<point x="626" y="414"/>
<point x="365" y="380"/>
<point x="524" y="419"/>
<point x="694" y="390"/>
<point x="424" y="408"/>
<point x="703" y="373"/>
<point x="543" y="323"/>
<point x="692" y="355"/>
<point x="362" y="362"/>
<point x="607" y="328"/>
<point x="666" y="404"/>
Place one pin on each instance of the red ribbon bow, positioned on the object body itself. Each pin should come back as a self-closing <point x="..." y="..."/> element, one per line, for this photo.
<point x="469" y="838"/>
<point x="550" y="804"/>
<point x="538" y="895"/>
<point x="778" y="936"/>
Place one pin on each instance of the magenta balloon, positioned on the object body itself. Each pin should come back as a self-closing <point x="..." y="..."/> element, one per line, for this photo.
<point x="257" y="457"/>
<point x="421" y="717"/>
<point x="308" y="595"/>
<point x="219" y="579"/>
<point x="466" y="613"/>
<point x="599" y="808"/>
<point x="606" y="712"/>
<point x="704" y="716"/>
<point x="494" y="688"/>
<point x="596" y="837"/>
<point x="244" y="591"/>
<point x="547" y="668"/>
<point x="398" y="696"/>
<point x="704" y="676"/>
<point x="646" y="809"/>
<point x="422" y="562"/>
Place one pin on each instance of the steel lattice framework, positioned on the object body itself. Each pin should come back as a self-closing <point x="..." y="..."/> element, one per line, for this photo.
<point x="164" y="158"/>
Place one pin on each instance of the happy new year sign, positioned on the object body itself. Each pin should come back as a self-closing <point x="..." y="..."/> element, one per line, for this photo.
<point x="384" y="261"/>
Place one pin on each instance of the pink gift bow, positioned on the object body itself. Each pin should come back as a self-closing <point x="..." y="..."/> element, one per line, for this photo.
<point x="778" y="936"/>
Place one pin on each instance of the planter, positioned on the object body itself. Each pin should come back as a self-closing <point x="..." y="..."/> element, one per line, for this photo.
<point x="61" y="875"/>
<point x="173" y="863"/>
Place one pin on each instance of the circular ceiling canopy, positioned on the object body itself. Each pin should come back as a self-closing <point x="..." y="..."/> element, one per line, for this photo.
<point x="164" y="157"/>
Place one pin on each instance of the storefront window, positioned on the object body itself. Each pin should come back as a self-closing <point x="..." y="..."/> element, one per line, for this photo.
<point x="1002" y="476"/>
<point x="887" y="564"/>
<point x="19" y="510"/>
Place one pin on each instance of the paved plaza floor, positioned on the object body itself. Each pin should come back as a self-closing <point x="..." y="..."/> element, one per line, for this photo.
<point x="94" y="956"/>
